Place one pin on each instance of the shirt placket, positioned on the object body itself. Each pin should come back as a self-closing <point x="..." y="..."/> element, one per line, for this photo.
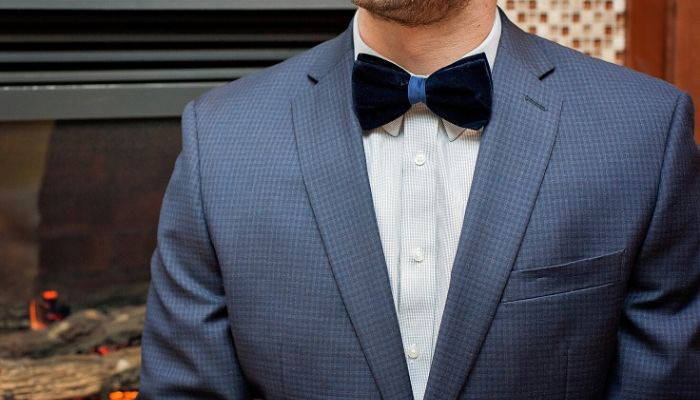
<point x="417" y="280"/>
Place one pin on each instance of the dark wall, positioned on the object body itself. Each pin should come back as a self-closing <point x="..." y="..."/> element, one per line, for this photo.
<point x="99" y="205"/>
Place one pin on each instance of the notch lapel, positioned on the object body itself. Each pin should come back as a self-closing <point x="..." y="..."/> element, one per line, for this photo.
<point x="331" y="154"/>
<point x="510" y="167"/>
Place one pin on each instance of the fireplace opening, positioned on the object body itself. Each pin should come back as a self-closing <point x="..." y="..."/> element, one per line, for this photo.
<point x="79" y="205"/>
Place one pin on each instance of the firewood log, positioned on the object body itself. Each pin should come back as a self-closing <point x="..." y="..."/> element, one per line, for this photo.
<point x="80" y="333"/>
<point x="69" y="376"/>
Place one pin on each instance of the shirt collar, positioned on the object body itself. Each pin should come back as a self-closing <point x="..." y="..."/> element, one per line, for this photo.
<point x="489" y="47"/>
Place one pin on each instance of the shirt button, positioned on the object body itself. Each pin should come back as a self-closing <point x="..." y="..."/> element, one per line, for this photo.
<point x="412" y="351"/>
<point x="418" y="254"/>
<point x="420" y="159"/>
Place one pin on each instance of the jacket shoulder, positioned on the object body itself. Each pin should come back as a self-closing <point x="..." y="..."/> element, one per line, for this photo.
<point x="600" y="81"/>
<point x="263" y="90"/>
<point x="621" y="104"/>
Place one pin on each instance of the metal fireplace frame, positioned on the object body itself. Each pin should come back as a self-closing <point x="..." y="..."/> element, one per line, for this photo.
<point x="63" y="93"/>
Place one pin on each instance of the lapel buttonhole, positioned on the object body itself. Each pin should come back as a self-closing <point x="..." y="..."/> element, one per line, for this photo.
<point x="535" y="103"/>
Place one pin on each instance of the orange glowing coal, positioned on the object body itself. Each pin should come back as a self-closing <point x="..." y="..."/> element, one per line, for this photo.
<point x="45" y="310"/>
<point x="49" y="295"/>
<point x="103" y="350"/>
<point x="123" y="395"/>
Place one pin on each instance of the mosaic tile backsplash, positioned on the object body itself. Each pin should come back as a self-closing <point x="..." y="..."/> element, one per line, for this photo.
<point x="594" y="27"/>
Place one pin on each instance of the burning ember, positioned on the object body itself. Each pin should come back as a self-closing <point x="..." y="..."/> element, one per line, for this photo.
<point x="45" y="310"/>
<point x="126" y="395"/>
<point x="103" y="350"/>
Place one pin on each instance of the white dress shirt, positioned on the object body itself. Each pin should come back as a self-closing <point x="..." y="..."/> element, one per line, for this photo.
<point x="420" y="169"/>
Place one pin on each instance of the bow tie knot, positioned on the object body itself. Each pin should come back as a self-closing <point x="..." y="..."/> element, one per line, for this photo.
<point x="459" y="93"/>
<point x="416" y="90"/>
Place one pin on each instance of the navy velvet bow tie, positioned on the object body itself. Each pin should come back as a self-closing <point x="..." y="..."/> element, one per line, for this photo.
<point x="459" y="93"/>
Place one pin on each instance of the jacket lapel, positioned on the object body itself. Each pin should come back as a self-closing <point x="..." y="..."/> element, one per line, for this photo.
<point x="511" y="163"/>
<point x="329" y="143"/>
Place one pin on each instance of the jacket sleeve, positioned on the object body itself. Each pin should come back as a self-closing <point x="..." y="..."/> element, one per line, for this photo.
<point x="187" y="347"/>
<point x="658" y="353"/>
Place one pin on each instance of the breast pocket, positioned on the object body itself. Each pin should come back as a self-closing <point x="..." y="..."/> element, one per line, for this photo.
<point x="564" y="278"/>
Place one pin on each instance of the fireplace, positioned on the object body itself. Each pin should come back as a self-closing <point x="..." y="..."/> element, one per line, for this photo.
<point x="90" y="99"/>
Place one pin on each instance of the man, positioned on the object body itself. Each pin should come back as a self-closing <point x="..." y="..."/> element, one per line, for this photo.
<point x="433" y="205"/>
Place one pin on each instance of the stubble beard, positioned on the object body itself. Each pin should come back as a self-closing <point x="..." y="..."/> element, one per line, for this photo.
<point x="412" y="13"/>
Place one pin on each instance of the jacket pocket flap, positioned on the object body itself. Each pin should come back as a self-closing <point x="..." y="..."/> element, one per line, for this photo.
<point x="561" y="278"/>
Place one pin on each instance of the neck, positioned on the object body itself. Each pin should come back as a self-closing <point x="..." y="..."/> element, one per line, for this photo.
<point x="425" y="49"/>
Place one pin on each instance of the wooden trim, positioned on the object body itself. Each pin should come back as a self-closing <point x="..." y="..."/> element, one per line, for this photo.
<point x="645" y="35"/>
<point x="670" y="37"/>
<point x="662" y="37"/>
<point x="683" y="52"/>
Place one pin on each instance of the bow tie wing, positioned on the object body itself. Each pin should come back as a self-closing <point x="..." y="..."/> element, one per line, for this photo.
<point x="462" y="92"/>
<point x="379" y="91"/>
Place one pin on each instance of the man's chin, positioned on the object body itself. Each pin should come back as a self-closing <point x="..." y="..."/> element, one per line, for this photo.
<point x="410" y="13"/>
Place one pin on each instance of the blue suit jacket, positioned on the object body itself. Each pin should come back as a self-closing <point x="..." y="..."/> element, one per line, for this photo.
<point x="577" y="271"/>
